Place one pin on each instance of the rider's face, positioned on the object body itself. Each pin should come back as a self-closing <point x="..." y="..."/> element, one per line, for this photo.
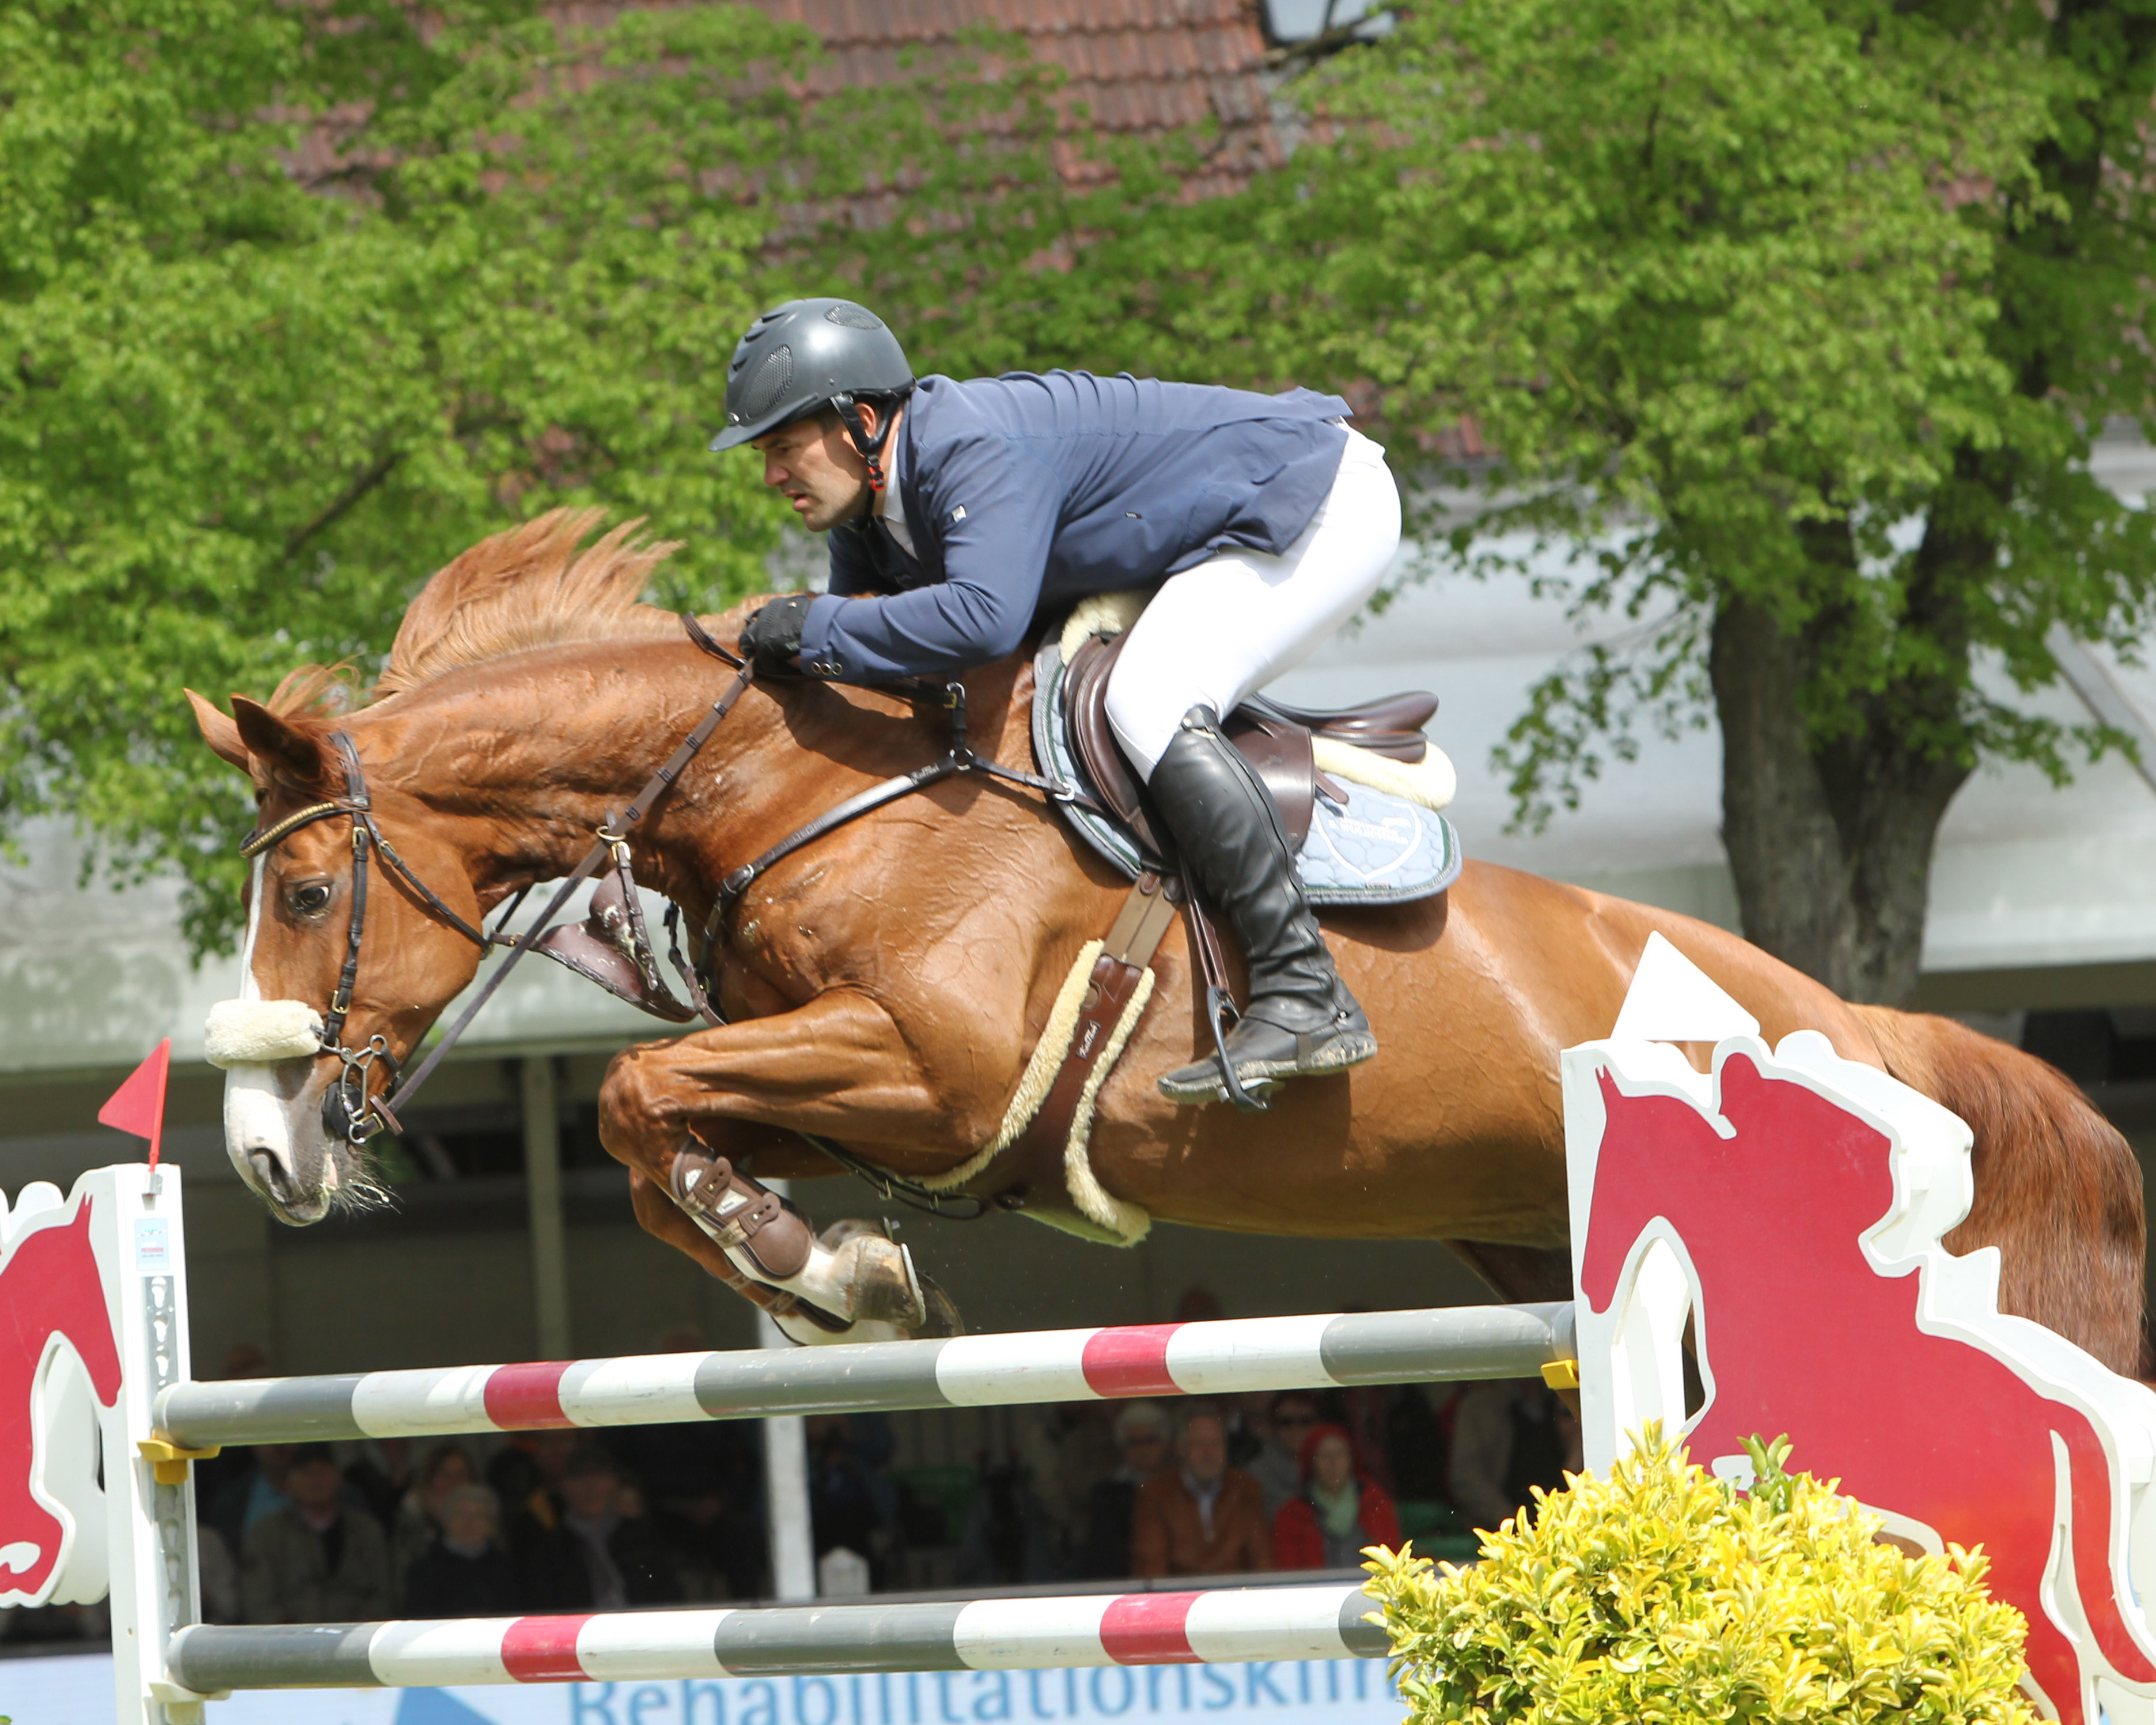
<point x="814" y="463"/>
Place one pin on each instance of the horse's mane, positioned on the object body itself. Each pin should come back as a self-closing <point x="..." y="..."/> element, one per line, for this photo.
<point x="529" y="586"/>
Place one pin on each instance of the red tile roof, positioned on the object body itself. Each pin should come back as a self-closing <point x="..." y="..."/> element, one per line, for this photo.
<point x="1135" y="67"/>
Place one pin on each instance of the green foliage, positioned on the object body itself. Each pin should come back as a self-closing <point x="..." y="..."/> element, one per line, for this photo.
<point x="297" y="302"/>
<point x="1814" y="304"/>
<point x="1660" y="1594"/>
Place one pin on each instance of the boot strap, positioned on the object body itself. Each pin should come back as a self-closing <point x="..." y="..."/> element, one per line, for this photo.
<point x="735" y="1212"/>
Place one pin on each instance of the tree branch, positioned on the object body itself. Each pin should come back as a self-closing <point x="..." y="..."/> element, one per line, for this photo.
<point x="343" y="504"/>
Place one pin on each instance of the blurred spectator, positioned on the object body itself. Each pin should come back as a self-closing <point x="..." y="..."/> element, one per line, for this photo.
<point x="217" y="1503"/>
<point x="1007" y="1537"/>
<point x="315" y="1560"/>
<point x="1336" y="1513"/>
<point x="704" y="1484"/>
<point x="1508" y="1437"/>
<point x="1277" y="1467"/>
<point x="252" y="1490"/>
<point x="1067" y="1449"/>
<point x="526" y="1472"/>
<point x="418" y="1522"/>
<point x="378" y="1474"/>
<point x="1362" y="1411"/>
<point x="1419" y="1438"/>
<point x="852" y="1500"/>
<point x="217" y="1572"/>
<point x="464" y="1572"/>
<point x="1142" y="1440"/>
<point x="595" y="1550"/>
<point x="1201" y="1516"/>
<point x="703" y="1481"/>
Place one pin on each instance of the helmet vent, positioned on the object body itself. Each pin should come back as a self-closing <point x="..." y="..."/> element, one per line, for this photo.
<point x="852" y="316"/>
<point x="771" y="378"/>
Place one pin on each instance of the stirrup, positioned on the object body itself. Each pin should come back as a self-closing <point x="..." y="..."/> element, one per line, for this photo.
<point x="1260" y="1070"/>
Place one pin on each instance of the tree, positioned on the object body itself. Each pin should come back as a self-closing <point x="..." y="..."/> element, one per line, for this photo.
<point x="297" y="301"/>
<point x="1792" y="319"/>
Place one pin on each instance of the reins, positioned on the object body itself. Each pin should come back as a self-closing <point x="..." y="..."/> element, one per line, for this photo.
<point x="364" y="1115"/>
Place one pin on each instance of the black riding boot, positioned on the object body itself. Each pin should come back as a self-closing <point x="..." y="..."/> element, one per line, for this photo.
<point x="1299" y="1018"/>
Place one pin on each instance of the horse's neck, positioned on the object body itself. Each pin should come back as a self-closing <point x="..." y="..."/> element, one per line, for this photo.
<point x="536" y="757"/>
<point x="541" y="755"/>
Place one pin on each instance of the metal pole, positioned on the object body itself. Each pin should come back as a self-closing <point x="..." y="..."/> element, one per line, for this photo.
<point x="787" y="1516"/>
<point x="542" y="1180"/>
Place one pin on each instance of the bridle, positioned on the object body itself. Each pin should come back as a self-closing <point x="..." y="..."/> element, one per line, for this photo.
<point x="349" y="1109"/>
<point x="349" y="1096"/>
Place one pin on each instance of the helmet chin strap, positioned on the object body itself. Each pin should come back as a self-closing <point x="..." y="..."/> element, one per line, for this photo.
<point x="869" y="448"/>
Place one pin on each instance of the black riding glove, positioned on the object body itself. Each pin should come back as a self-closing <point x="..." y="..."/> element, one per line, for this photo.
<point x="771" y="640"/>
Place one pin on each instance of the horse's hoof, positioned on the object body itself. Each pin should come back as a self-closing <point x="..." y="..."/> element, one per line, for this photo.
<point x="943" y="1321"/>
<point x="881" y="1284"/>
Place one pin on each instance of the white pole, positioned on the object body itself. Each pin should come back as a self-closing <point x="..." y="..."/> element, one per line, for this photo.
<point x="150" y="1524"/>
<point x="786" y="1483"/>
<point x="543" y="1184"/>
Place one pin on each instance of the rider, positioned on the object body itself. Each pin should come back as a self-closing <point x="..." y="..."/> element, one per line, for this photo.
<point x="959" y="511"/>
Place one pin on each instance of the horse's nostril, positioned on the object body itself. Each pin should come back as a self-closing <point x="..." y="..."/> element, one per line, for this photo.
<point x="269" y="1172"/>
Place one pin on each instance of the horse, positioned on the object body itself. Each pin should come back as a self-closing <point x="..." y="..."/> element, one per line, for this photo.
<point x="882" y="988"/>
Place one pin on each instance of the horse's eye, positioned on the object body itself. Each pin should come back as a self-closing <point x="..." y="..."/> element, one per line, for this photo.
<point x="309" y="900"/>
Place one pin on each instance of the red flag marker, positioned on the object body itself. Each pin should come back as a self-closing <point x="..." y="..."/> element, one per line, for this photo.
<point x="138" y="1105"/>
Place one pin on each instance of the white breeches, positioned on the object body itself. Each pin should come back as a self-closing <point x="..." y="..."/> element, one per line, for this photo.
<point x="1217" y="633"/>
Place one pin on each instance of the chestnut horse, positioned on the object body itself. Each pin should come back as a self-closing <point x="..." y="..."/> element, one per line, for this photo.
<point x="884" y="987"/>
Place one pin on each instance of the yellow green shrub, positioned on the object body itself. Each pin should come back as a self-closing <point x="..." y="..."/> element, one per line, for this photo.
<point x="1658" y="1595"/>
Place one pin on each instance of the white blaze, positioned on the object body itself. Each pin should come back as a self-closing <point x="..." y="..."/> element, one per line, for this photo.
<point x="254" y="1115"/>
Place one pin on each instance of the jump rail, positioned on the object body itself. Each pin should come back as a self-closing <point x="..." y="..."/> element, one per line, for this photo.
<point x="1217" y="1627"/>
<point x="1221" y="1358"/>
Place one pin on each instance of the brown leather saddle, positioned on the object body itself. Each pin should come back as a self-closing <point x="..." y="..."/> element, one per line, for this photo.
<point x="1274" y="737"/>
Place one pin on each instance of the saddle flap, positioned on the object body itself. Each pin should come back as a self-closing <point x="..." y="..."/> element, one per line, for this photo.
<point x="1282" y="754"/>
<point x="1086" y="712"/>
<point x="1278" y="748"/>
<point x="609" y="947"/>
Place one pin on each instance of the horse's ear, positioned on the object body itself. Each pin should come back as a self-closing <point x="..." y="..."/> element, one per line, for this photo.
<point x="278" y="745"/>
<point x="218" y="731"/>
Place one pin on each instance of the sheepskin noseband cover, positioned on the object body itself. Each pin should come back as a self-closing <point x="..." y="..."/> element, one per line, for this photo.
<point x="255" y="1033"/>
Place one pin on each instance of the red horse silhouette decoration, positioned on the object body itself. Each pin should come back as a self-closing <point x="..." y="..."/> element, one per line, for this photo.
<point x="1910" y="1387"/>
<point x="50" y="1287"/>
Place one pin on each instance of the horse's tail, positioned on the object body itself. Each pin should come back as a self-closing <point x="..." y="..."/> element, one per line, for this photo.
<point x="2058" y="1190"/>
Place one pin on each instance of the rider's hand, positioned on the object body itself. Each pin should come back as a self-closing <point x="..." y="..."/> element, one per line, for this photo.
<point x="771" y="639"/>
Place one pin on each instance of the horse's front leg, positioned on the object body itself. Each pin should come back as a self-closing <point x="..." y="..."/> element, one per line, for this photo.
<point x="687" y="1116"/>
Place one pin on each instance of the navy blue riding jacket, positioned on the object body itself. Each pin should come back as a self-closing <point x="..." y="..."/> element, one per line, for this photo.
<point x="1025" y="493"/>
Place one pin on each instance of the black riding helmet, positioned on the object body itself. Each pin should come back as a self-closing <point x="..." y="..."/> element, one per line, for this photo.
<point x="808" y="354"/>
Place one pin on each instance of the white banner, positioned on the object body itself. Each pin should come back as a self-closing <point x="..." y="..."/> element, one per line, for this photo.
<point x="1339" y="1691"/>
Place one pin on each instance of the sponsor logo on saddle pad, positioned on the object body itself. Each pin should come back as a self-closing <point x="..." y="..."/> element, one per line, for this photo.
<point x="1331" y="1692"/>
